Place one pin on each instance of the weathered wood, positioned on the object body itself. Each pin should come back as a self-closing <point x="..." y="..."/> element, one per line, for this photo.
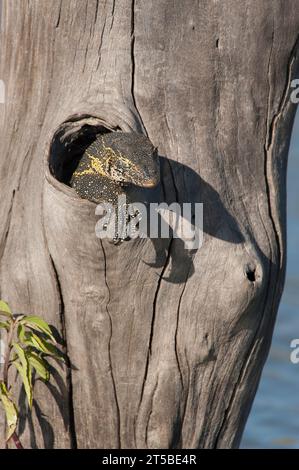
<point x="167" y="346"/>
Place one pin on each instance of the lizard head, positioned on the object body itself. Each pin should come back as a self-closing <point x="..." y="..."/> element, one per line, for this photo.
<point x="130" y="158"/>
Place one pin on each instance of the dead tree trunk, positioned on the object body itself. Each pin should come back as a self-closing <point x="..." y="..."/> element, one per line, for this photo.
<point x="167" y="346"/>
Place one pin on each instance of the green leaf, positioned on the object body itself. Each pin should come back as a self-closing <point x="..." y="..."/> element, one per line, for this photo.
<point x="24" y="370"/>
<point x="4" y="324"/>
<point x="11" y="411"/>
<point x="42" y="345"/>
<point x="21" y="333"/>
<point x="4" y="309"/>
<point x="25" y="378"/>
<point x="38" y="324"/>
<point x="39" y="364"/>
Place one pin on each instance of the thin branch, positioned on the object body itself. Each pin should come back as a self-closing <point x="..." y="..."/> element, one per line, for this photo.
<point x="6" y="365"/>
<point x="17" y="441"/>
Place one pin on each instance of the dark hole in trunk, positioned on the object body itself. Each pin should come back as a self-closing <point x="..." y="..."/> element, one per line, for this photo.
<point x="70" y="142"/>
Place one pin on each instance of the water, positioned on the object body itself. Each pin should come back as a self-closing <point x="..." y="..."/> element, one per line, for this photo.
<point x="274" y="418"/>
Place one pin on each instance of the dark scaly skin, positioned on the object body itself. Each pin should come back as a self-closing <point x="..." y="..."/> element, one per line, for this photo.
<point x="112" y="163"/>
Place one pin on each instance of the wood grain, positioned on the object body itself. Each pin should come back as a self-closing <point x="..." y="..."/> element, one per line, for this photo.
<point x="166" y="345"/>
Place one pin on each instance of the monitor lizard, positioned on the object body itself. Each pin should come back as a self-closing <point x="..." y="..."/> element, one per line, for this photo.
<point x="113" y="162"/>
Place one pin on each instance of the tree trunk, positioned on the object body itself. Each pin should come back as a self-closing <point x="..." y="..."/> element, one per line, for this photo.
<point x="166" y="344"/>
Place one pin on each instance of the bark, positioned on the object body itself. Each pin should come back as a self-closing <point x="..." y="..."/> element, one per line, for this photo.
<point x="166" y="345"/>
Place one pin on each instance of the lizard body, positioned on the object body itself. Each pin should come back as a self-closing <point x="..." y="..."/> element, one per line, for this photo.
<point x="112" y="163"/>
